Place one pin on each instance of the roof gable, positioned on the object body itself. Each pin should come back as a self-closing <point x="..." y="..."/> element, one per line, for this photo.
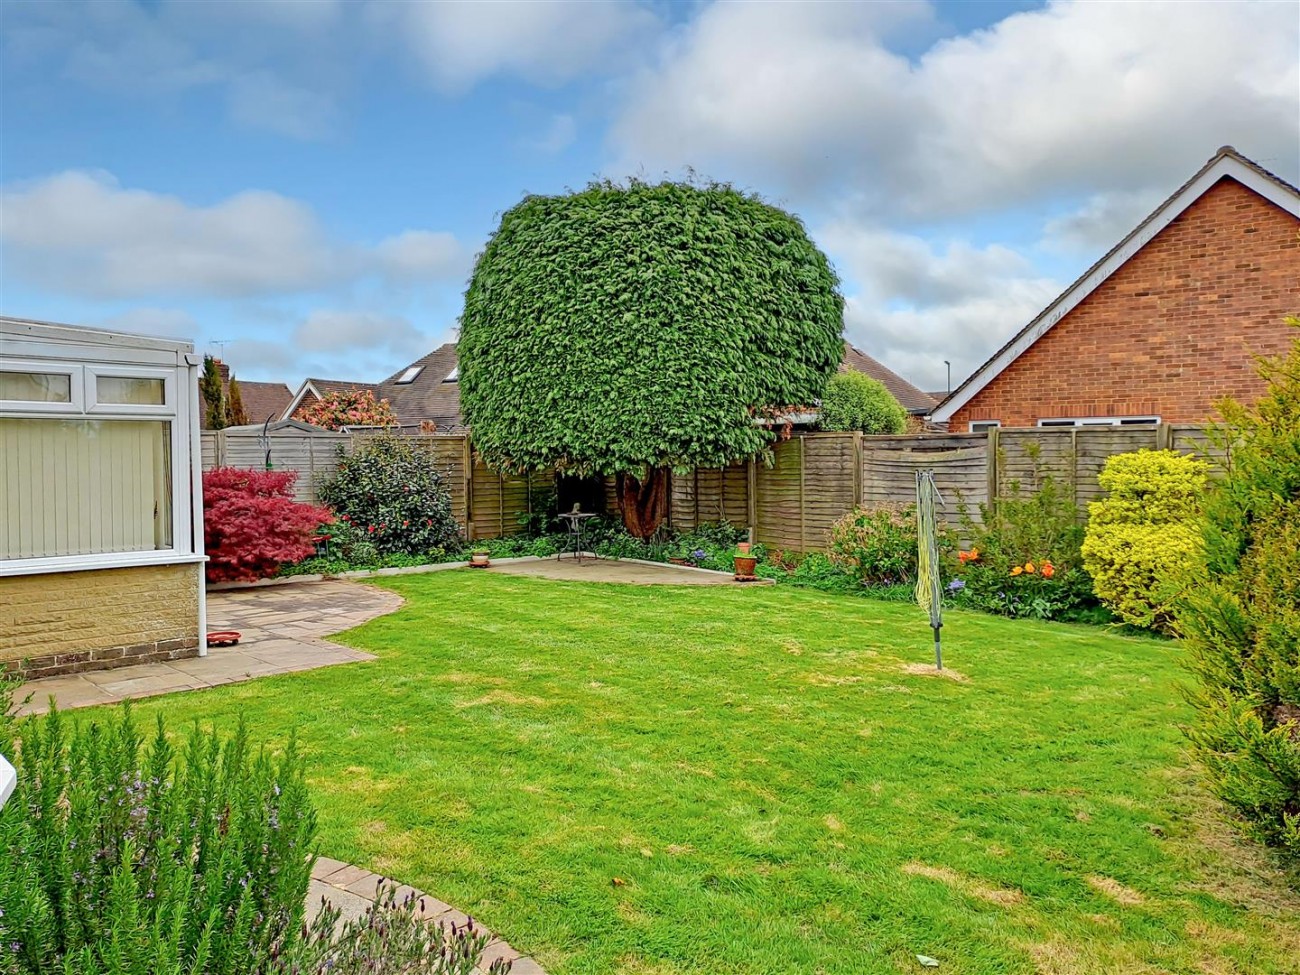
<point x="1227" y="163"/>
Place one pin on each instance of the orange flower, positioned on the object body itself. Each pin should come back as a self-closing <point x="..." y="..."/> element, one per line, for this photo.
<point x="1029" y="567"/>
<point x="1016" y="571"/>
<point x="974" y="555"/>
<point x="1048" y="570"/>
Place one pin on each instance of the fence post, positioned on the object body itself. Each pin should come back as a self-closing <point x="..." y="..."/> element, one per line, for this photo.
<point x="991" y="463"/>
<point x="501" y="505"/>
<point x="857" y="468"/>
<point x="1074" y="471"/>
<point x="751" y="499"/>
<point x="467" y="462"/>
<point x="1164" y="436"/>
<point x="803" y="519"/>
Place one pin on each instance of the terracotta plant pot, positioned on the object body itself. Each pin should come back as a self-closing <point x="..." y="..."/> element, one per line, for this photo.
<point x="479" y="560"/>
<point x="673" y="560"/>
<point x="745" y="565"/>
<point x="742" y="548"/>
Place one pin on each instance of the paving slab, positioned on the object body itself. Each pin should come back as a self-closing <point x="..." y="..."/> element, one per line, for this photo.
<point x="283" y="630"/>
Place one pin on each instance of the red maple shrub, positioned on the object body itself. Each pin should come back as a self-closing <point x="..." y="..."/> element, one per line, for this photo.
<point x="252" y="525"/>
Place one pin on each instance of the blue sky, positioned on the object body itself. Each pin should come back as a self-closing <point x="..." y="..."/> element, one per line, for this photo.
<point x="307" y="183"/>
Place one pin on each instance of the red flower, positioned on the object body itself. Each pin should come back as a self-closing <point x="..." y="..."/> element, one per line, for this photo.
<point x="405" y="524"/>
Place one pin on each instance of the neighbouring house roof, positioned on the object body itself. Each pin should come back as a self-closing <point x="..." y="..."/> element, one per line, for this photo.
<point x="262" y="400"/>
<point x="914" y="400"/>
<point x="319" y="388"/>
<point x="431" y="392"/>
<point x="1227" y="163"/>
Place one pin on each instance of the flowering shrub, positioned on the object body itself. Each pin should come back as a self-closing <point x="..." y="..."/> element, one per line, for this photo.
<point x="1142" y="536"/>
<point x="1024" y="559"/>
<point x="878" y="545"/>
<point x="388" y="494"/>
<point x="252" y="525"/>
<point x="391" y="937"/>
<point x="117" y="857"/>
<point x="348" y="408"/>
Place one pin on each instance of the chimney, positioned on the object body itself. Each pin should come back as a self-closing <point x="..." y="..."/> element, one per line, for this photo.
<point x="224" y="370"/>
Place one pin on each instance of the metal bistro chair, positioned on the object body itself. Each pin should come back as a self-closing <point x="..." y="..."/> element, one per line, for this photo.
<point x="574" y="520"/>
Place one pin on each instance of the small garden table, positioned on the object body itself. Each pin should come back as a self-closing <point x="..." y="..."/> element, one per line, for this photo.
<point x="574" y="520"/>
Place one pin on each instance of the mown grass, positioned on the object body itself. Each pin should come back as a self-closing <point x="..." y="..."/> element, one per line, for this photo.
<point x="709" y="780"/>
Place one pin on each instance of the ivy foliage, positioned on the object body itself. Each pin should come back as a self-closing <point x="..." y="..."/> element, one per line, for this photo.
<point x="626" y="328"/>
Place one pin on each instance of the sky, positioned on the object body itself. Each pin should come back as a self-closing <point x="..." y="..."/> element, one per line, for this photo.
<point x="301" y="187"/>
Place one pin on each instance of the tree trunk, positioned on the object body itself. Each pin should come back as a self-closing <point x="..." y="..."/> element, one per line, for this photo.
<point x="643" y="503"/>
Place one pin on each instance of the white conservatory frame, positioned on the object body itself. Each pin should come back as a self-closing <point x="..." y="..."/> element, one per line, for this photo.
<point x="84" y="355"/>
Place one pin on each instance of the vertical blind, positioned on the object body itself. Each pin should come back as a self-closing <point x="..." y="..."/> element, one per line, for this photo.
<point x="84" y="487"/>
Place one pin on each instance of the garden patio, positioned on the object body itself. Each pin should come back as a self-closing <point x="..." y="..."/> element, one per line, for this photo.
<point x="726" y="779"/>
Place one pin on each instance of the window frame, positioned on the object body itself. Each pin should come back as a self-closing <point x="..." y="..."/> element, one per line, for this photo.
<point x="984" y="426"/>
<point x="176" y="411"/>
<point x="76" y="387"/>
<point x="92" y="372"/>
<point x="1075" y="422"/>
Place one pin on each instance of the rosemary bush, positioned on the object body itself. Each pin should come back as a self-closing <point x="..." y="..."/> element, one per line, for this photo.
<point x="119" y="857"/>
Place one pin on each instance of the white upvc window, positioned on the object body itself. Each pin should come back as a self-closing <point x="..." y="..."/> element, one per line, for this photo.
<point x="94" y="465"/>
<point x="1100" y="421"/>
<point x="983" y="426"/>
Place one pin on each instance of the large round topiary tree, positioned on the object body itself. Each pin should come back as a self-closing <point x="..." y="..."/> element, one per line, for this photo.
<point x="632" y="330"/>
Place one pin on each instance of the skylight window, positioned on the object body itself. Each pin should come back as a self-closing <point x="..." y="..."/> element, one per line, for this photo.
<point x="409" y="375"/>
<point x="453" y="375"/>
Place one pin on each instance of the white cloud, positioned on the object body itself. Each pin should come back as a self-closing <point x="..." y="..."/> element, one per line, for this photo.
<point x="277" y="63"/>
<point x="262" y="100"/>
<point x="462" y="42"/>
<point x="1101" y="223"/>
<point x="421" y="255"/>
<point x="1074" y="97"/>
<point x="144" y="320"/>
<point x="559" y="135"/>
<point x="915" y="305"/>
<point x="83" y="233"/>
<point x="335" y="331"/>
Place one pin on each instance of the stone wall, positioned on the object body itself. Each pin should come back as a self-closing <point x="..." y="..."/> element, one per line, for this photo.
<point x="67" y="622"/>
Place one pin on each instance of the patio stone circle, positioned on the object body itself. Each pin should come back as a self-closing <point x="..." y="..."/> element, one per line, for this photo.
<point x="352" y="890"/>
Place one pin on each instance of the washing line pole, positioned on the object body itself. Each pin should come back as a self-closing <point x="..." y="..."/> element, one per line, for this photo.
<point x="928" y="593"/>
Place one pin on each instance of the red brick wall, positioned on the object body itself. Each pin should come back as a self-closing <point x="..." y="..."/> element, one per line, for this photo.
<point x="1175" y="329"/>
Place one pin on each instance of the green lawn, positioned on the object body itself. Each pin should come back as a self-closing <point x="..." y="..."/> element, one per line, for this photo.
<point x="710" y="780"/>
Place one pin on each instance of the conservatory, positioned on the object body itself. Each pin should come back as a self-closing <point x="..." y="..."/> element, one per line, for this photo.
<point x="101" y="521"/>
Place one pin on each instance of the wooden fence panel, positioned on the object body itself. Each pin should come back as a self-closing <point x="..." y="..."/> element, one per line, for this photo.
<point x="960" y="465"/>
<point x="779" y="493"/>
<point x="790" y="499"/>
<point x="830" y="490"/>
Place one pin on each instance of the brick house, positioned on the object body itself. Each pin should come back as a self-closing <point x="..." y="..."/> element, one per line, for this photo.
<point x="1167" y="323"/>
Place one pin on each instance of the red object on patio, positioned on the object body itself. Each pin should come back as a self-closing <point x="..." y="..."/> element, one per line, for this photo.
<point x="223" y="638"/>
